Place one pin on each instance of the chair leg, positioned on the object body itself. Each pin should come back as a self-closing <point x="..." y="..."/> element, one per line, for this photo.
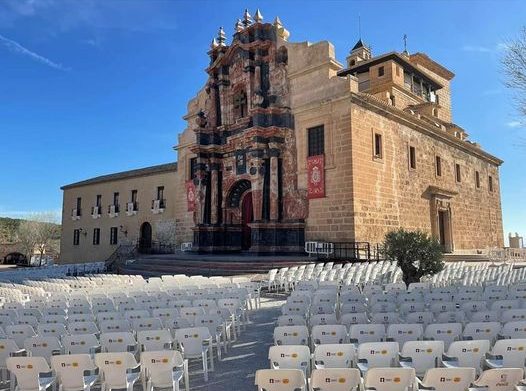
<point x="205" y="365"/>
<point x="186" y="376"/>
<point x="211" y="353"/>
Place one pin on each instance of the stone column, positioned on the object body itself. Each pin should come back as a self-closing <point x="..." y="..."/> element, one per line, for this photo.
<point x="256" y="181"/>
<point x="214" y="167"/>
<point x="274" y="185"/>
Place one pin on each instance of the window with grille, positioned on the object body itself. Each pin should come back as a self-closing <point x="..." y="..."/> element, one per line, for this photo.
<point x="458" y="174"/>
<point x="193" y="168"/>
<point x="316" y="141"/>
<point x="490" y="183"/>
<point x="477" y="179"/>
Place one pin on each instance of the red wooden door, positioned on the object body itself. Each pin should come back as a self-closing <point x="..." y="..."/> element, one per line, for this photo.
<point x="246" y="219"/>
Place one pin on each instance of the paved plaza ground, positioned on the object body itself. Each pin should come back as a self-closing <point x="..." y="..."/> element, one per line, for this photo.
<point x="248" y="354"/>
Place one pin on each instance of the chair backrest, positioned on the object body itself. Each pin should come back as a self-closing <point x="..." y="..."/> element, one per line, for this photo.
<point x="192" y="339"/>
<point x="515" y="329"/>
<point x="354" y="318"/>
<point x="323" y="319"/>
<point x="482" y="330"/>
<point x="7" y="348"/>
<point x="469" y="353"/>
<point x="451" y="317"/>
<point x="378" y="354"/>
<point x="423" y="354"/>
<point x="421" y="317"/>
<point x="385" y="317"/>
<point x="158" y="365"/>
<point x="291" y="320"/>
<point x="360" y="333"/>
<point x="83" y="328"/>
<point x="334" y="356"/>
<point x="390" y="379"/>
<point x="335" y="379"/>
<point x="280" y="380"/>
<point x="289" y="357"/>
<point x="449" y="379"/>
<point x="70" y="369"/>
<point x="122" y="341"/>
<point x="513" y="352"/>
<point x="43" y="346"/>
<point x="27" y="370"/>
<point x="352" y="307"/>
<point x="485" y="316"/>
<point x="19" y="333"/>
<point x="147" y="324"/>
<point x="151" y="340"/>
<point x="80" y="343"/>
<point x="110" y="326"/>
<point x="51" y="329"/>
<point x="502" y="379"/>
<point x="332" y="333"/>
<point x="447" y="332"/>
<point x="403" y="332"/>
<point x="291" y="335"/>
<point x="301" y="309"/>
<point x="114" y="367"/>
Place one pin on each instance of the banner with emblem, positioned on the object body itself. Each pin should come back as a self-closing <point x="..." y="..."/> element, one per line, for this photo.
<point x="316" y="176"/>
<point x="190" y="195"/>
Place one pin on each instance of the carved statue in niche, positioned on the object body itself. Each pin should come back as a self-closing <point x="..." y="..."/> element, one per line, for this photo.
<point x="201" y="119"/>
<point x="257" y="99"/>
<point x="279" y="85"/>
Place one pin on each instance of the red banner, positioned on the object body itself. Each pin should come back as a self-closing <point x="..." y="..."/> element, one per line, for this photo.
<point x="190" y="195"/>
<point x="316" y="176"/>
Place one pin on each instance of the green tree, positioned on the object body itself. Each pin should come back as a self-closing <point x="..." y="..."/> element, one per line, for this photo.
<point x="415" y="252"/>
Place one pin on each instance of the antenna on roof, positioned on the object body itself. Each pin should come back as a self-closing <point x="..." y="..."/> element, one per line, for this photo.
<point x="359" y="26"/>
<point x="405" y="45"/>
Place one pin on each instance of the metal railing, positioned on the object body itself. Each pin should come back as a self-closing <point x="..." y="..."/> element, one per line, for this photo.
<point x="344" y="251"/>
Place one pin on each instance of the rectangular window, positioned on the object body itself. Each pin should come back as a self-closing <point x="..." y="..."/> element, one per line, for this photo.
<point x="458" y="174"/>
<point x="160" y="192"/>
<point x="193" y="168"/>
<point x="438" y="165"/>
<point x="99" y="200"/>
<point x="378" y="147"/>
<point x="96" y="236"/>
<point x="116" y="201"/>
<point x="477" y="179"/>
<point x="397" y="70"/>
<point x="76" y="237"/>
<point x="134" y="196"/>
<point x="412" y="158"/>
<point x="316" y="141"/>
<point x="490" y="183"/>
<point x="79" y="206"/>
<point x="113" y="235"/>
<point x="381" y="71"/>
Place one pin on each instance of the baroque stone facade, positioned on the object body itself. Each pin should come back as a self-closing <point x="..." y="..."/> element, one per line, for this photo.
<point x="382" y="126"/>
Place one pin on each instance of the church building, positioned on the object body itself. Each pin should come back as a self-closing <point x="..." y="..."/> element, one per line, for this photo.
<point x="284" y="144"/>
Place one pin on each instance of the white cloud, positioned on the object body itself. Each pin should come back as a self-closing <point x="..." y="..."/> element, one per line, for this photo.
<point x="515" y="124"/>
<point x="15" y="47"/>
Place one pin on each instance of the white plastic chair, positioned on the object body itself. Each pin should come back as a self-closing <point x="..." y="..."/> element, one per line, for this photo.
<point x="118" y="370"/>
<point x="334" y="356"/>
<point x="507" y="353"/>
<point x="163" y="369"/>
<point x="195" y="342"/>
<point x="31" y="373"/>
<point x="390" y="379"/>
<point x="504" y="379"/>
<point x="154" y="340"/>
<point x="335" y="379"/>
<point x="421" y="355"/>
<point x="118" y="342"/>
<point x="280" y="380"/>
<point x="80" y="344"/>
<point x="290" y="357"/>
<point x="43" y="346"/>
<point x="361" y="333"/>
<point x="466" y="354"/>
<point x="377" y="355"/>
<point x="75" y="372"/>
<point x="449" y="379"/>
<point x="291" y="320"/>
<point x="403" y="332"/>
<point x="333" y="333"/>
<point x="446" y="332"/>
<point x="291" y="335"/>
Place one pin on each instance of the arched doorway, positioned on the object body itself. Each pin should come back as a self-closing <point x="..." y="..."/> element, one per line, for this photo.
<point x="145" y="238"/>
<point x="247" y="216"/>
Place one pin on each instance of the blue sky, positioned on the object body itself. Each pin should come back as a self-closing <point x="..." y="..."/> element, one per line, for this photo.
<point x="89" y="87"/>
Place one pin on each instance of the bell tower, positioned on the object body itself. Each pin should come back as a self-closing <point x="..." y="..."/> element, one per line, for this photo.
<point x="247" y="196"/>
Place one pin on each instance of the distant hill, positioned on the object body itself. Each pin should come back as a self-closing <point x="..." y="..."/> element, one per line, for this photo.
<point x="8" y="228"/>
